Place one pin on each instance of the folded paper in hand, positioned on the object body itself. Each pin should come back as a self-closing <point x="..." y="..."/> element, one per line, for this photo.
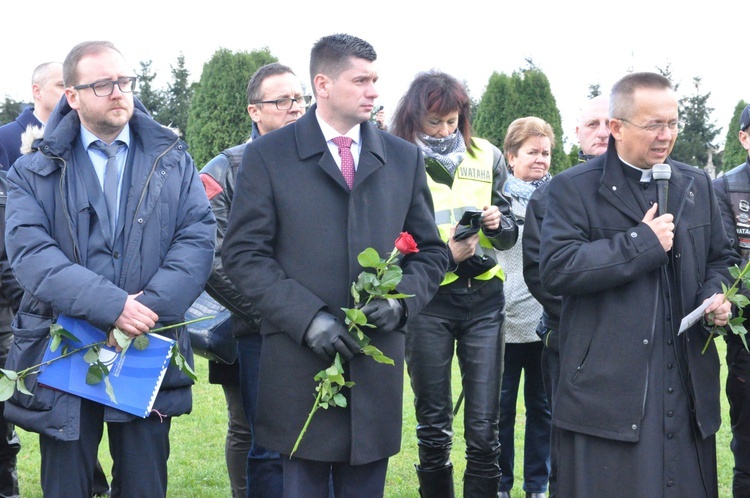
<point x="695" y="315"/>
<point x="135" y="376"/>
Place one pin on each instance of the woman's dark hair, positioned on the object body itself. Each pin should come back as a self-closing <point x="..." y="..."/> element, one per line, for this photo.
<point x="437" y="93"/>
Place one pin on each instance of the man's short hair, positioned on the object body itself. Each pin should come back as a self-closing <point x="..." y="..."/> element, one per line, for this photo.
<point x="256" y="80"/>
<point x="42" y="73"/>
<point x="330" y="55"/>
<point x="621" y="98"/>
<point x="84" y="49"/>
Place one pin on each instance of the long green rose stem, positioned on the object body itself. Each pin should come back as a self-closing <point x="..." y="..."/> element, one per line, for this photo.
<point x="315" y="408"/>
<point x="26" y="371"/>
<point x="728" y="294"/>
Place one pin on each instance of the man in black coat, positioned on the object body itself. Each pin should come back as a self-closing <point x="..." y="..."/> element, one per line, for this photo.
<point x="275" y="99"/>
<point x="638" y="403"/>
<point x="292" y="246"/>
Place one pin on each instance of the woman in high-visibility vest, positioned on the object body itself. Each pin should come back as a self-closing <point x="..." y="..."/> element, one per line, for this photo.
<point x="465" y="175"/>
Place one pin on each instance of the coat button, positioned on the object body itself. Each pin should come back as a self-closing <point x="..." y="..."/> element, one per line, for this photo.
<point x="645" y="341"/>
<point x="633" y="234"/>
<point x="614" y="188"/>
<point x="634" y="427"/>
<point x="140" y="221"/>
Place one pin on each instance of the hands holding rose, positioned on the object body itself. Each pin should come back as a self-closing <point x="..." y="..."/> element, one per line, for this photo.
<point x="326" y="336"/>
<point x="385" y="314"/>
<point x="719" y="311"/>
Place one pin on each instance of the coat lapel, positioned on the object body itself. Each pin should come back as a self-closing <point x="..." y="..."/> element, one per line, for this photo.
<point x="310" y="142"/>
<point x="614" y="186"/>
<point x="681" y="194"/>
<point x="371" y="153"/>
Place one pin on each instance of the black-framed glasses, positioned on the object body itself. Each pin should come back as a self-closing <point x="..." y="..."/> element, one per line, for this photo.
<point x="656" y="127"/>
<point x="104" y="88"/>
<point x="286" y="103"/>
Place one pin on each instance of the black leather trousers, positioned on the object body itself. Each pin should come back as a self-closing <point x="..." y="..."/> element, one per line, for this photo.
<point x="478" y="344"/>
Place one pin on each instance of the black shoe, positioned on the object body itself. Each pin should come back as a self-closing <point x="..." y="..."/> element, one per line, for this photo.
<point x="536" y="495"/>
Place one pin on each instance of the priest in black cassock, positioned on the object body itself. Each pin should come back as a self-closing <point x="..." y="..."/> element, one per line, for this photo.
<point x="638" y="404"/>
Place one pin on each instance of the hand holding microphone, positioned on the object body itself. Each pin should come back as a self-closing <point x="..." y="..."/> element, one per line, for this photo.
<point x="662" y="226"/>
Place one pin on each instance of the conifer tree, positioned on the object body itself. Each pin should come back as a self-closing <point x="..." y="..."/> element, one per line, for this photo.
<point x="151" y="98"/>
<point x="525" y="93"/>
<point x="698" y="133"/>
<point x="218" y="115"/>
<point x="9" y="110"/>
<point x="496" y="109"/>
<point x="177" y="99"/>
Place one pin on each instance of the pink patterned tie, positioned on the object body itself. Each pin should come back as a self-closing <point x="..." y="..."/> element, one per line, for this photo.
<point x="347" y="160"/>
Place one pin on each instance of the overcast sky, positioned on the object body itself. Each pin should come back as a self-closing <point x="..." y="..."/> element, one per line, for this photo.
<point x="575" y="43"/>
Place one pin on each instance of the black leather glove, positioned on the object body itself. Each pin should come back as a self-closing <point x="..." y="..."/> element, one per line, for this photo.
<point x="326" y="336"/>
<point x="385" y="314"/>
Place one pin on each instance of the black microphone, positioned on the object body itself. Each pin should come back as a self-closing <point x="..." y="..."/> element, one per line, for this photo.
<point x="661" y="173"/>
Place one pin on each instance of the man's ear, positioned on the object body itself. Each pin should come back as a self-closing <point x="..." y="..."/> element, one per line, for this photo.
<point x="615" y="128"/>
<point x="36" y="91"/>
<point x="72" y="96"/>
<point x="322" y="84"/>
<point x="745" y="140"/>
<point x="254" y="112"/>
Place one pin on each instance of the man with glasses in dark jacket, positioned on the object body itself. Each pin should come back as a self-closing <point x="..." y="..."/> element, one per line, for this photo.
<point x="122" y="240"/>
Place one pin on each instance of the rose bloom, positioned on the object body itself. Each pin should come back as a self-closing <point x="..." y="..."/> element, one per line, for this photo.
<point x="405" y="243"/>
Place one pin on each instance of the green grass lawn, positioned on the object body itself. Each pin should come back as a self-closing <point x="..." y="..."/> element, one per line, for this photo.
<point x="197" y="468"/>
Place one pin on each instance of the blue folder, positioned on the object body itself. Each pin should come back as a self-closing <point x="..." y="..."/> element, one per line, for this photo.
<point x="135" y="376"/>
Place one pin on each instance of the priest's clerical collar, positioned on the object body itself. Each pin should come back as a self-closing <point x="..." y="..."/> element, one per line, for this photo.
<point x="645" y="173"/>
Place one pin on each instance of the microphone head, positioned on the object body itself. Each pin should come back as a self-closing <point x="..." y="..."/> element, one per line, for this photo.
<point x="661" y="172"/>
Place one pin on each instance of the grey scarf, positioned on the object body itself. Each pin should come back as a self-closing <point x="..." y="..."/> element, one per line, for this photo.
<point x="448" y="151"/>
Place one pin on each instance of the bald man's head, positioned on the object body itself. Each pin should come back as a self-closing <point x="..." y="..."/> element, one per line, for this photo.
<point x="593" y="126"/>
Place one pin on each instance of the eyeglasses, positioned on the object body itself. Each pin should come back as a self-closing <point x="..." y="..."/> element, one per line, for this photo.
<point x="657" y="127"/>
<point x="286" y="104"/>
<point x="104" y="88"/>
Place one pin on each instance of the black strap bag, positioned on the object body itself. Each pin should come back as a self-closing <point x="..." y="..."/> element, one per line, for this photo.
<point x="212" y="338"/>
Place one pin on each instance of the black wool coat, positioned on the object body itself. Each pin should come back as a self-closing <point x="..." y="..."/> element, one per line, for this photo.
<point x="291" y="246"/>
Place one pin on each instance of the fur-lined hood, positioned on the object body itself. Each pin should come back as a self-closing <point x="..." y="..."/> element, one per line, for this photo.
<point x="31" y="135"/>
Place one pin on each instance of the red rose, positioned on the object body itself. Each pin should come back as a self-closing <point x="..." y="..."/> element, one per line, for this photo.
<point x="405" y="243"/>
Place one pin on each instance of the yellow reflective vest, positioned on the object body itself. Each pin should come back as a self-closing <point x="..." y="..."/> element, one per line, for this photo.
<point x="471" y="189"/>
